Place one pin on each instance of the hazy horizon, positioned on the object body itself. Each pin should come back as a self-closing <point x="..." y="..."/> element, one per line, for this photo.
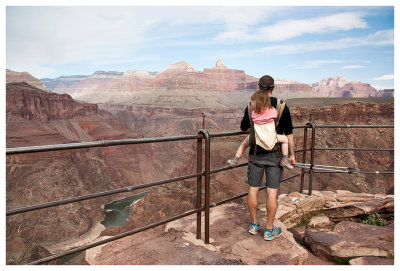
<point x="301" y="43"/>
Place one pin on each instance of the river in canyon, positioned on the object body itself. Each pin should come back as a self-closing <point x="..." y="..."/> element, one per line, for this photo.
<point x="117" y="212"/>
<point x="117" y="215"/>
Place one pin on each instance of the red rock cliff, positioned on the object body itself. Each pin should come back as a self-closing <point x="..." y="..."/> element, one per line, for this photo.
<point x="28" y="102"/>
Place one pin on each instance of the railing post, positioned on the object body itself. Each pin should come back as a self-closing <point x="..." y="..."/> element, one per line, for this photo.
<point x="207" y="186"/>
<point x="304" y="159"/>
<point x="312" y="157"/>
<point x="199" y="186"/>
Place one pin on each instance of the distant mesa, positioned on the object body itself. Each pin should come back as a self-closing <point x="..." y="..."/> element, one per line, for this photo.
<point x="140" y="74"/>
<point x="338" y="86"/>
<point x="386" y="93"/>
<point x="107" y="75"/>
<point x="336" y="81"/>
<point x="18" y="77"/>
<point x="181" y="66"/>
<point x="280" y="81"/>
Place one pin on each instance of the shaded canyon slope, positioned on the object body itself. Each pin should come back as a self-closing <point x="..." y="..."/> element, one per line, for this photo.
<point x="36" y="117"/>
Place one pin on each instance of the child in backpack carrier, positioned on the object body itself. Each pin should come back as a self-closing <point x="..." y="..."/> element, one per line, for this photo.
<point x="262" y="113"/>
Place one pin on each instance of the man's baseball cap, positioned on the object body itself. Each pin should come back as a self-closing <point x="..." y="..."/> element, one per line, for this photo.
<point x="266" y="82"/>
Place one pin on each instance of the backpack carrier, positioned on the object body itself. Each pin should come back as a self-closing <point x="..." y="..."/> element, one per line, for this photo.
<point x="255" y="138"/>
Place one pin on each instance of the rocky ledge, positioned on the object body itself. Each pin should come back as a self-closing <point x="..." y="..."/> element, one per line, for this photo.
<point x="325" y="223"/>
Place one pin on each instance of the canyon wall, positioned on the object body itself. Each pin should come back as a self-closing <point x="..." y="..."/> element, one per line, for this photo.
<point x="18" y="77"/>
<point x="137" y="86"/>
<point x="28" y="102"/>
<point x="35" y="117"/>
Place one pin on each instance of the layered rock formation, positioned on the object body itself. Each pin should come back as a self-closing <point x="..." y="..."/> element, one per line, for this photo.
<point x="137" y="86"/>
<point x="386" y="93"/>
<point x="338" y="86"/>
<point x="222" y="78"/>
<point x="34" y="118"/>
<point x="140" y="87"/>
<point x="28" y="102"/>
<point x="18" y="77"/>
<point x="67" y="84"/>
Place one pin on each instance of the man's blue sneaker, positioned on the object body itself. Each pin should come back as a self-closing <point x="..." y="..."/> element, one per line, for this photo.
<point x="272" y="234"/>
<point x="254" y="228"/>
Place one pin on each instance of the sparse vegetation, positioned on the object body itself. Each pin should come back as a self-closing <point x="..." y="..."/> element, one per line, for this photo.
<point x="301" y="242"/>
<point x="390" y="256"/>
<point x="342" y="261"/>
<point x="306" y="218"/>
<point x="374" y="219"/>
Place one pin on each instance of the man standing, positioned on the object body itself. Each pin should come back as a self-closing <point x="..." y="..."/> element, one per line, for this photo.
<point x="267" y="161"/>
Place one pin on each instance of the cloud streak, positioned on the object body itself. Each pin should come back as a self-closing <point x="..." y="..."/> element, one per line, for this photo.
<point x="380" y="38"/>
<point x="288" y="29"/>
<point x="349" y="67"/>
<point x="384" y="77"/>
<point x="58" y="40"/>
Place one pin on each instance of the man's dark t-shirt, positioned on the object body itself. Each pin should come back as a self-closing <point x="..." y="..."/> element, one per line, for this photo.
<point x="285" y="125"/>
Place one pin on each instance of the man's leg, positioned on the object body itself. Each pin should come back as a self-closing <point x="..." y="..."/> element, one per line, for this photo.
<point x="252" y="203"/>
<point x="272" y="206"/>
<point x="274" y="177"/>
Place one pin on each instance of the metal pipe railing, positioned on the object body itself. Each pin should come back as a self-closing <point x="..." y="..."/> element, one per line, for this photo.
<point x="304" y="159"/>
<point x="199" y="185"/>
<point x="103" y="143"/>
<point x="203" y="135"/>
<point x="312" y="157"/>
<point x="97" y="195"/>
<point x="207" y="157"/>
<point x="351" y="149"/>
<point x="313" y="149"/>
<point x="354" y="126"/>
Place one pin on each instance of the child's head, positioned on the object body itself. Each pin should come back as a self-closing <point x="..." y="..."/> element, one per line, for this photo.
<point x="261" y="101"/>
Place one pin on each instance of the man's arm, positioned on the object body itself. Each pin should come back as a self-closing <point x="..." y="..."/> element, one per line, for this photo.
<point x="291" y="148"/>
<point x="245" y="123"/>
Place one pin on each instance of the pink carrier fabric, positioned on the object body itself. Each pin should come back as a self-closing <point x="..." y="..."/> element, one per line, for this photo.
<point x="269" y="115"/>
<point x="264" y="128"/>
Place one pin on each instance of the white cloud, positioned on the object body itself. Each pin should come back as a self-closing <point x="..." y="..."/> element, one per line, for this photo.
<point x="64" y="35"/>
<point x="288" y="29"/>
<point x="384" y="77"/>
<point x="352" y="67"/>
<point x="381" y="38"/>
<point x="293" y="28"/>
<point x="61" y="35"/>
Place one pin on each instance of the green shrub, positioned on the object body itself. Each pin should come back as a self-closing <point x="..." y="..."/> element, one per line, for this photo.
<point x="306" y="218"/>
<point x="342" y="261"/>
<point x="374" y="219"/>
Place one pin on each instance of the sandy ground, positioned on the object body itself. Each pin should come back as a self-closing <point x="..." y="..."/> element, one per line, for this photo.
<point x="84" y="239"/>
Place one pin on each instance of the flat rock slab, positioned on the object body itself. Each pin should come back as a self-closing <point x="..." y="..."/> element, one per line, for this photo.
<point x="361" y="208"/>
<point x="371" y="261"/>
<point x="229" y="226"/>
<point x="350" y="239"/>
<point x="152" y="247"/>
<point x="230" y="243"/>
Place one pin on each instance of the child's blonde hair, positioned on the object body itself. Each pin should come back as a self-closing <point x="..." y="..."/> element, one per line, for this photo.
<point x="260" y="101"/>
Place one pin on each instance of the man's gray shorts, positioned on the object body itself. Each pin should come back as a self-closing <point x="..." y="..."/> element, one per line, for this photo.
<point x="268" y="162"/>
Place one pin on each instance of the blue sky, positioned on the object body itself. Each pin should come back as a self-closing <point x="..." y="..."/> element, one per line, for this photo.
<point x="302" y="43"/>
